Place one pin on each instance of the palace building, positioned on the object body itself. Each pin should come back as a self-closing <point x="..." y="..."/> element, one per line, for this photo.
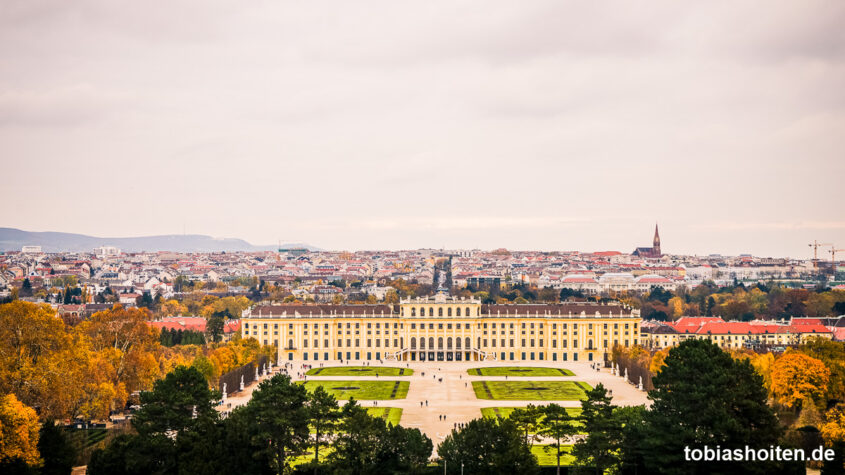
<point x="444" y="328"/>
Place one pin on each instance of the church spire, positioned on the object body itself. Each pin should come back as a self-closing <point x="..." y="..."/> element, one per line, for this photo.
<point x="656" y="244"/>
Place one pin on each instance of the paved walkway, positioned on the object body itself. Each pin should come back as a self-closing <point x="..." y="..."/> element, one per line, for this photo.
<point x="454" y="397"/>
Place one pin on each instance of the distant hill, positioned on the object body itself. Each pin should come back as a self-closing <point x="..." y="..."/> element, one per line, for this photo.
<point x="12" y="239"/>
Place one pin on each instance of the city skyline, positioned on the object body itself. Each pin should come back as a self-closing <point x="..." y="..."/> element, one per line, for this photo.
<point x="154" y="242"/>
<point x="513" y="126"/>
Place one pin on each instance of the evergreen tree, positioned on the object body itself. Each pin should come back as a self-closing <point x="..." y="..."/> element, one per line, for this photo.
<point x="177" y="431"/>
<point x="26" y="288"/>
<point x="279" y="429"/>
<point x="177" y="403"/>
<point x="837" y="465"/>
<point x="704" y="397"/>
<point x="632" y="448"/>
<point x="527" y="420"/>
<point x="556" y="424"/>
<point x="487" y="446"/>
<point x="324" y="415"/>
<point x="599" y="450"/>
<point x="54" y="447"/>
<point x="214" y="327"/>
<point x="367" y="445"/>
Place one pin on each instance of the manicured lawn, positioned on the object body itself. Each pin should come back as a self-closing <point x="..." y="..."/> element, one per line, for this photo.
<point x="362" y="389"/>
<point x="531" y="390"/>
<point x="520" y="371"/>
<point x="360" y="371"/>
<point x="506" y="411"/>
<point x="391" y="415"/>
<point x="546" y="455"/>
<point x="308" y="455"/>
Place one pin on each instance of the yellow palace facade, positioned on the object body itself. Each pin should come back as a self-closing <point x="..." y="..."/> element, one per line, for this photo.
<point x="443" y="328"/>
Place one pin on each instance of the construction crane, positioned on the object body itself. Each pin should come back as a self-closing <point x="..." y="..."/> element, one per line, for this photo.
<point x="816" y="245"/>
<point x="833" y="252"/>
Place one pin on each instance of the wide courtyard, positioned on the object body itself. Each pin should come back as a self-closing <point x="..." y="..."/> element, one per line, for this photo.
<point x="435" y="389"/>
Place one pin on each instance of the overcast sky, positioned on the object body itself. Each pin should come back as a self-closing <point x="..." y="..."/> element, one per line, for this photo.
<point x="467" y="124"/>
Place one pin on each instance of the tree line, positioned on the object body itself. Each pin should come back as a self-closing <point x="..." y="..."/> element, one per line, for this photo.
<point x="702" y="396"/>
<point x="89" y="370"/>
<point x="178" y="336"/>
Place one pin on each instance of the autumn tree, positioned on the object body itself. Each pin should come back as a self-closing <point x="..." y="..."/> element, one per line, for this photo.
<point x="18" y="433"/>
<point x="37" y="361"/>
<point x="796" y="376"/>
<point x="832" y="354"/>
<point x="172" y="307"/>
<point x="833" y="432"/>
<point x="129" y="341"/>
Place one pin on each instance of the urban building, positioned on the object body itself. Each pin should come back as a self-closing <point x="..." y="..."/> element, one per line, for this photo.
<point x="732" y="335"/>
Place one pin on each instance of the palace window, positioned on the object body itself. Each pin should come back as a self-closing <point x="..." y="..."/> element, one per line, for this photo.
<point x="458" y="312"/>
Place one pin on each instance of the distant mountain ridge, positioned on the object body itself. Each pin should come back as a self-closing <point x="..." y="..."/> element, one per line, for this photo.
<point x="12" y="239"/>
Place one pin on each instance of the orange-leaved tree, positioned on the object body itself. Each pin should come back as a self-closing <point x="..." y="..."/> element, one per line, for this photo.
<point x="796" y="376"/>
<point x="18" y="431"/>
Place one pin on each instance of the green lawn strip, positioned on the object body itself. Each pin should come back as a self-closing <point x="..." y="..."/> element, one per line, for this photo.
<point x="367" y="390"/>
<point x="546" y="455"/>
<point x="308" y="456"/>
<point x="391" y="415"/>
<point x="505" y="412"/>
<point x="519" y="371"/>
<point x="360" y="371"/>
<point x="86" y="437"/>
<point x="532" y="390"/>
